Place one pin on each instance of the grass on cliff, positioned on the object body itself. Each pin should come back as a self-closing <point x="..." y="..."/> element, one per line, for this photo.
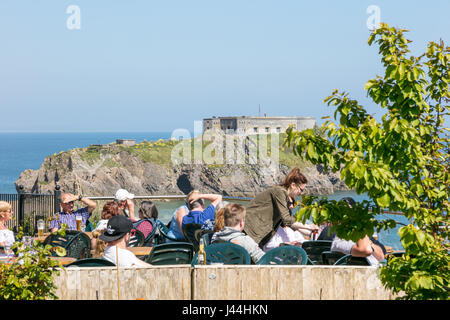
<point x="160" y="152"/>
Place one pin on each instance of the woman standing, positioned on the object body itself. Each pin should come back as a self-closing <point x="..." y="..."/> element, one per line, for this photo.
<point x="272" y="208"/>
<point x="6" y="235"/>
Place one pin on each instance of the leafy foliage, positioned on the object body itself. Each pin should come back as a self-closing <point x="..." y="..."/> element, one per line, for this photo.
<point x="30" y="276"/>
<point x="401" y="163"/>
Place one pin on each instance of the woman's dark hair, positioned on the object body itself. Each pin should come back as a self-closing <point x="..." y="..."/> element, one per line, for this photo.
<point x="350" y="201"/>
<point x="295" y="176"/>
<point x="110" y="209"/>
<point x="148" y="210"/>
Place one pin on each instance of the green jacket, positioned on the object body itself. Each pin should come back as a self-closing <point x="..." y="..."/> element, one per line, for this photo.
<point x="265" y="214"/>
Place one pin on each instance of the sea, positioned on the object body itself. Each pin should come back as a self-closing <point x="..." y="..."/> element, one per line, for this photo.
<point x="20" y="151"/>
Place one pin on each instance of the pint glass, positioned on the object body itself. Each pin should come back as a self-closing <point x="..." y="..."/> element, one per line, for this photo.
<point x="40" y="227"/>
<point x="79" y="222"/>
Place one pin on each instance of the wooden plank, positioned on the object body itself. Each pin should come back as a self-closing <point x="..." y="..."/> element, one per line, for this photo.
<point x="223" y="282"/>
<point x="156" y="282"/>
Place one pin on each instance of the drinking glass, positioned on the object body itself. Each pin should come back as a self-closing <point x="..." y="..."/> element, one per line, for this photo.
<point x="26" y="240"/>
<point x="79" y="220"/>
<point x="40" y="227"/>
<point x="8" y="251"/>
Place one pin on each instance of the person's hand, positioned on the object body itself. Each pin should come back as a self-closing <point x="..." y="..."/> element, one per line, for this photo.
<point x="293" y="243"/>
<point x="195" y="197"/>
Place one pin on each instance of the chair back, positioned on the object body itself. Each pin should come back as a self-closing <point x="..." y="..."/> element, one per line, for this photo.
<point x="349" y="260"/>
<point x="226" y="253"/>
<point x="137" y="238"/>
<point x="91" y="262"/>
<point x="330" y="257"/>
<point x="285" y="255"/>
<point x="315" y="248"/>
<point x="171" y="253"/>
<point x="206" y="235"/>
<point x="76" y="243"/>
<point x="148" y="241"/>
<point x="189" y="231"/>
<point x="163" y="235"/>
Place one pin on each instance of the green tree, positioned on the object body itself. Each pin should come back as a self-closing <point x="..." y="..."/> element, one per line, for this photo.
<point x="30" y="276"/>
<point x="400" y="163"/>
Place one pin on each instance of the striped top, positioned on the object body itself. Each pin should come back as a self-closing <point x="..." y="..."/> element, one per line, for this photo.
<point x="69" y="219"/>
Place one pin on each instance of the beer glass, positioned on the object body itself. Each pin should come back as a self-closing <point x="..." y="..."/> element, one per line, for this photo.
<point x="40" y="227"/>
<point x="8" y="251"/>
<point x="26" y="240"/>
<point x="79" y="222"/>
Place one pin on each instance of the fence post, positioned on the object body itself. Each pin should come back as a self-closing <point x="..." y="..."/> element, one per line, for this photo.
<point x="57" y="196"/>
<point x="21" y="207"/>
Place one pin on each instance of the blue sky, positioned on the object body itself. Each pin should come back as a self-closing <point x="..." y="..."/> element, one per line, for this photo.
<point x="161" y="65"/>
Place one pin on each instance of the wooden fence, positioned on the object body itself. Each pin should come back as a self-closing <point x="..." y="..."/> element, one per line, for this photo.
<point x="223" y="282"/>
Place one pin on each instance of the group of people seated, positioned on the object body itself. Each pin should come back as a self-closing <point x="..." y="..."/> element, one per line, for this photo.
<point x="266" y="223"/>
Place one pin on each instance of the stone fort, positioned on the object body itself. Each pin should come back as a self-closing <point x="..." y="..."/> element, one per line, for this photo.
<point x="257" y="125"/>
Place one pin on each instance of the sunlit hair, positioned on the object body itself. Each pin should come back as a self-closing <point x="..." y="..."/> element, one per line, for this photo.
<point x="218" y="218"/>
<point x="100" y="245"/>
<point x="4" y="208"/>
<point x="295" y="176"/>
<point x="219" y="222"/>
<point x="194" y="204"/>
<point x="110" y="209"/>
<point x="148" y="209"/>
<point x="233" y="214"/>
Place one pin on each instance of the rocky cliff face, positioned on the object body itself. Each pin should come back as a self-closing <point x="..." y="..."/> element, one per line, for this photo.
<point x="101" y="173"/>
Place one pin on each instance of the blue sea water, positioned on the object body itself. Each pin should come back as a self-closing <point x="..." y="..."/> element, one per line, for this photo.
<point x="21" y="151"/>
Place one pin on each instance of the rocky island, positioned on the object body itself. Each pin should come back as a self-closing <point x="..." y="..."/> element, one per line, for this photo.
<point x="147" y="168"/>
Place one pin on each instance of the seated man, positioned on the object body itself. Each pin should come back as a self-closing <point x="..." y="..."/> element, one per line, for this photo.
<point x="234" y="221"/>
<point x="117" y="236"/>
<point x="362" y="248"/>
<point x="197" y="214"/>
<point x="68" y="216"/>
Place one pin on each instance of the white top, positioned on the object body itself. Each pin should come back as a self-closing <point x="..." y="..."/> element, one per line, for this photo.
<point x="6" y="238"/>
<point x="285" y="234"/>
<point x="102" y="224"/>
<point x="126" y="257"/>
<point x="345" y="246"/>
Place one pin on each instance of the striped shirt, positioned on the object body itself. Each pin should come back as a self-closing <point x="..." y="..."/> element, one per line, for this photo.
<point x="69" y="219"/>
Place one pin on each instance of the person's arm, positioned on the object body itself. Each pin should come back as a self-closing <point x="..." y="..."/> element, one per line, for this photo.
<point x="214" y="198"/>
<point x="130" y="205"/>
<point x="181" y="212"/>
<point x="88" y="202"/>
<point x="364" y="248"/>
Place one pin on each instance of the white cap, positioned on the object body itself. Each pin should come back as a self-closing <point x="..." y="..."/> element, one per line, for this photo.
<point x="123" y="194"/>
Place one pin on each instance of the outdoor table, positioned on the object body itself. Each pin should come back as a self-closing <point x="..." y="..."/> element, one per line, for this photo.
<point x="42" y="238"/>
<point x="61" y="260"/>
<point x="140" y="251"/>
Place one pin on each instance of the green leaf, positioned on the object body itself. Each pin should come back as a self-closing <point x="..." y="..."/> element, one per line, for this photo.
<point x="384" y="200"/>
